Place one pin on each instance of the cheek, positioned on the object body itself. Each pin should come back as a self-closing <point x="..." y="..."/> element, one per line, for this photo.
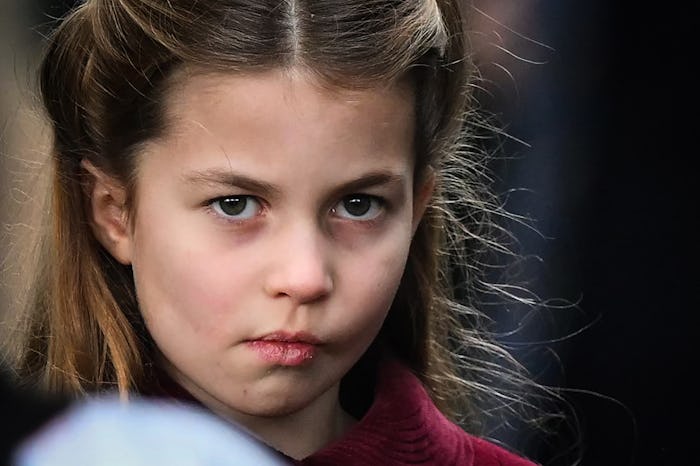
<point x="369" y="288"/>
<point x="186" y="285"/>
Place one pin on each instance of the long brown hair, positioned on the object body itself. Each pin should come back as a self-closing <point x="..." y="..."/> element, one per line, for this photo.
<point x="103" y="77"/>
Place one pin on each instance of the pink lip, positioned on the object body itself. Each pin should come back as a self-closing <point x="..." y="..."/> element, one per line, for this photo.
<point x="285" y="348"/>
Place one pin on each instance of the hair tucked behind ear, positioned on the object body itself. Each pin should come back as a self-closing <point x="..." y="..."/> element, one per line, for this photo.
<point x="82" y="325"/>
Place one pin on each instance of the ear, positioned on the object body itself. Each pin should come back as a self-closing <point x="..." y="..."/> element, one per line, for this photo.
<point x="107" y="213"/>
<point x="423" y="192"/>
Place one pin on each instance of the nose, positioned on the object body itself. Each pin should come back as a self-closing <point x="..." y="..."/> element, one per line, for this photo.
<point x="301" y="271"/>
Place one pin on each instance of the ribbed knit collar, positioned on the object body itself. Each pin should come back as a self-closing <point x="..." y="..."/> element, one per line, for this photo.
<point x="401" y="427"/>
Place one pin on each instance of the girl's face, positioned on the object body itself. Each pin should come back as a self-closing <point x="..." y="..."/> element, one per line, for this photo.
<point x="272" y="228"/>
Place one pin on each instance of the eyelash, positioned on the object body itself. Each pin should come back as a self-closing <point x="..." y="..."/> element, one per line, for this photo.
<point x="376" y="203"/>
<point x="215" y="208"/>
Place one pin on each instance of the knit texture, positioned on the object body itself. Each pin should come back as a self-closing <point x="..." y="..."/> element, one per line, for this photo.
<point x="404" y="427"/>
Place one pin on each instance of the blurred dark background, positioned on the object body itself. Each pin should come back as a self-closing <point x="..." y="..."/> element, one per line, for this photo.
<point x="609" y="117"/>
<point x="603" y="95"/>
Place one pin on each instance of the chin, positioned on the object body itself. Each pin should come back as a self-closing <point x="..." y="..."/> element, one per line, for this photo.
<point x="282" y="399"/>
<point x="276" y="407"/>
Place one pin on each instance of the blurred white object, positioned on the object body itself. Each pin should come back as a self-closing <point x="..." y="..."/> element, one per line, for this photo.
<point x="107" y="432"/>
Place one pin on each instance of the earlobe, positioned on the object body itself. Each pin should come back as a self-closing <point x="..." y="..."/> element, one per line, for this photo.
<point x="107" y="213"/>
<point x="422" y="195"/>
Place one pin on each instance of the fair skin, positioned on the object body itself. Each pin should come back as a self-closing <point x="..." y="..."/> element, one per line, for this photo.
<point x="272" y="228"/>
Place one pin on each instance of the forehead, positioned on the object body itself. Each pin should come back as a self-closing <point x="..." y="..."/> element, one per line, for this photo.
<point x="280" y="117"/>
<point x="198" y="94"/>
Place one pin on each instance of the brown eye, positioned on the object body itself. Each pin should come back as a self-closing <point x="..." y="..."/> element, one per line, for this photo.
<point x="359" y="207"/>
<point x="236" y="207"/>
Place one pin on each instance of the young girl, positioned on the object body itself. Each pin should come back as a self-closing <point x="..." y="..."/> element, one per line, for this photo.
<point x="260" y="207"/>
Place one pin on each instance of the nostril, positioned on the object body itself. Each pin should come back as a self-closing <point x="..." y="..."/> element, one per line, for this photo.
<point x="310" y="288"/>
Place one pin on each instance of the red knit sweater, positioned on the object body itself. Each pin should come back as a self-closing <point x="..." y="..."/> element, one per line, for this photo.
<point x="404" y="427"/>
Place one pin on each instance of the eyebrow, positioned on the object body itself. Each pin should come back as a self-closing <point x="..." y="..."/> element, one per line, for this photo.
<point x="231" y="179"/>
<point x="371" y="179"/>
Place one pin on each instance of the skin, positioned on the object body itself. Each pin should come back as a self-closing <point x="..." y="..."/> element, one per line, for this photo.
<point x="297" y="258"/>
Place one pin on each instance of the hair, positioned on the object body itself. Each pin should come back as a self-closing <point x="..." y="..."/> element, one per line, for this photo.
<point x="103" y="80"/>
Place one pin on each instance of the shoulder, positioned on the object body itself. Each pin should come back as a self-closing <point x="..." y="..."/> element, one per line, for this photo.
<point x="447" y="443"/>
<point x="489" y="454"/>
<point x="404" y="390"/>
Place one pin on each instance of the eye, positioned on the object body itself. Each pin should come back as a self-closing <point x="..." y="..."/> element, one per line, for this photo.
<point x="359" y="207"/>
<point x="236" y="207"/>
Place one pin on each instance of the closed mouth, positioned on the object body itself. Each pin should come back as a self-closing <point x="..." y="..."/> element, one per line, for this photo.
<point x="290" y="337"/>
